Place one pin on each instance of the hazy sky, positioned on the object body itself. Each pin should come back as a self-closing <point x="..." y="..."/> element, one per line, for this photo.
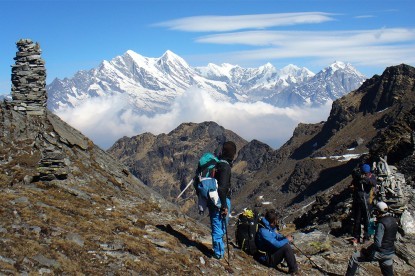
<point x="77" y="35"/>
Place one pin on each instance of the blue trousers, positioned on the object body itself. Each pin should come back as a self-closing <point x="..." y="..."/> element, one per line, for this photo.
<point x="218" y="225"/>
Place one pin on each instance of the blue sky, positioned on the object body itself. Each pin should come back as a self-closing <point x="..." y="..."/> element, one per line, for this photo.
<point x="78" y="35"/>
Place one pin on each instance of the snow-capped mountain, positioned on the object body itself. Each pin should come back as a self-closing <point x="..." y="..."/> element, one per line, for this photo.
<point x="152" y="84"/>
<point x="6" y="97"/>
<point x="329" y="84"/>
<point x="255" y="84"/>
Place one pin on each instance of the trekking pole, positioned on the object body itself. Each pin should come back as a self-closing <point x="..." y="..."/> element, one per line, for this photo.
<point x="309" y="258"/>
<point x="314" y="264"/>
<point x="227" y="238"/>
<point x="188" y="185"/>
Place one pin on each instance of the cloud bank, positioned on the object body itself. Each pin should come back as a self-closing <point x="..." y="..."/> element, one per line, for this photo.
<point x="106" y="119"/>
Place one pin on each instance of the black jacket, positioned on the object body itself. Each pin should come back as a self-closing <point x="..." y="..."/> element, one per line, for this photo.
<point x="385" y="235"/>
<point x="223" y="176"/>
<point x="364" y="183"/>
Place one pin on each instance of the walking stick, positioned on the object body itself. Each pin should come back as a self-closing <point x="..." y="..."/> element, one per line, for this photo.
<point x="190" y="183"/>
<point x="227" y="238"/>
<point x="314" y="264"/>
<point x="309" y="258"/>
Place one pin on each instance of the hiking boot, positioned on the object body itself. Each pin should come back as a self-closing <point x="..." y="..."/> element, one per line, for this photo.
<point x="217" y="257"/>
<point x="355" y="241"/>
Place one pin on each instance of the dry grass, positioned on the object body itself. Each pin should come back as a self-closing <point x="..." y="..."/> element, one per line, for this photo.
<point x="26" y="160"/>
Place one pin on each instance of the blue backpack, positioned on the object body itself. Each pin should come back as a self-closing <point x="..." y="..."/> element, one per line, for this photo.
<point x="205" y="183"/>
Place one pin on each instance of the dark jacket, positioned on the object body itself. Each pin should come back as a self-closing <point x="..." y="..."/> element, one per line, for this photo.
<point x="223" y="176"/>
<point x="362" y="185"/>
<point x="385" y="234"/>
<point x="267" y="239"/>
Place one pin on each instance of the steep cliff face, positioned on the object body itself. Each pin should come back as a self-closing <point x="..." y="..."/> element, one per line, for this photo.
<point x="389" y="100"/>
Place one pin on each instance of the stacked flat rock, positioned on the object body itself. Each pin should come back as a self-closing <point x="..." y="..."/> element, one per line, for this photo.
<point x="52" y="165"/>
<point x="29" y="79"/>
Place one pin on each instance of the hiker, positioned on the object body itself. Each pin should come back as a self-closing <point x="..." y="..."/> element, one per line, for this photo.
<point x="219" y="216"/>
<point x="383" y="248"/>
<point x="275" y="245"/>
<point x="363" y="183"/>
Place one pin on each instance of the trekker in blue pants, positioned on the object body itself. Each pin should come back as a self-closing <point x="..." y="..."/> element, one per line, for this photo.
<point x="219" y="217"/>
<point x="217" y="222"/>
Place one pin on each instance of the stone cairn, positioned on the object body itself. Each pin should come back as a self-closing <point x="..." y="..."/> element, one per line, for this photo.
<point x="52" y="165"/>
<point x="29" y="79"/>
<point x="29" y="97"/>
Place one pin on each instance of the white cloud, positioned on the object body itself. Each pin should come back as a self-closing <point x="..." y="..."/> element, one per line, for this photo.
<point x="239" y="22"/>
<point x="319" y="45"/>
<point x="364" y="16"/>
<point x="315" y="39"/>
<point x="379" y="47"/>
<point x="104" y="120"/>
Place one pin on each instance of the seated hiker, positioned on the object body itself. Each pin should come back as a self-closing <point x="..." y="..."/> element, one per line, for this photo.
<point x="363" y="182"/>
<point x="276" y="246"/>
<point x="383" y="248"/>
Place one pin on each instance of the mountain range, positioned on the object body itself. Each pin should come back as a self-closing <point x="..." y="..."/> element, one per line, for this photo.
<point x="152" y="84"/>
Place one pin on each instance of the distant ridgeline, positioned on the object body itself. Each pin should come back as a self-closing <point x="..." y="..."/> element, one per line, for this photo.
<point x="29" y="79"/>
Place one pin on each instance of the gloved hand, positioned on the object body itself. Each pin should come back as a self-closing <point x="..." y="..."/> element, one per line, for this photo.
<point x="223" y="212"/>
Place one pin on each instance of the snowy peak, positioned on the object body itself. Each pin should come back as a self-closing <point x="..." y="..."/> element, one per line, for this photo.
<point x="329" y="84"/>
<point x="139" y="60"/>
<point x="169" y="55"/>
<point x="267" y="67"/>
<point x="338" y="65"/>
<point x="217" y="71"/>
<point x="341" y="66"/>
<point x="337" y="68"/>
<point x="172" y="59"/>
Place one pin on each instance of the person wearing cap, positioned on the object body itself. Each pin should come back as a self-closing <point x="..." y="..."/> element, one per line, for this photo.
<point x="363" y="182"/>
<point x="383" y="248"/>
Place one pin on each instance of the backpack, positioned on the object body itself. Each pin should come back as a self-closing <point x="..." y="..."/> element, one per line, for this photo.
<point x="205" y="183"/>
<point x="246" y="228"/>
